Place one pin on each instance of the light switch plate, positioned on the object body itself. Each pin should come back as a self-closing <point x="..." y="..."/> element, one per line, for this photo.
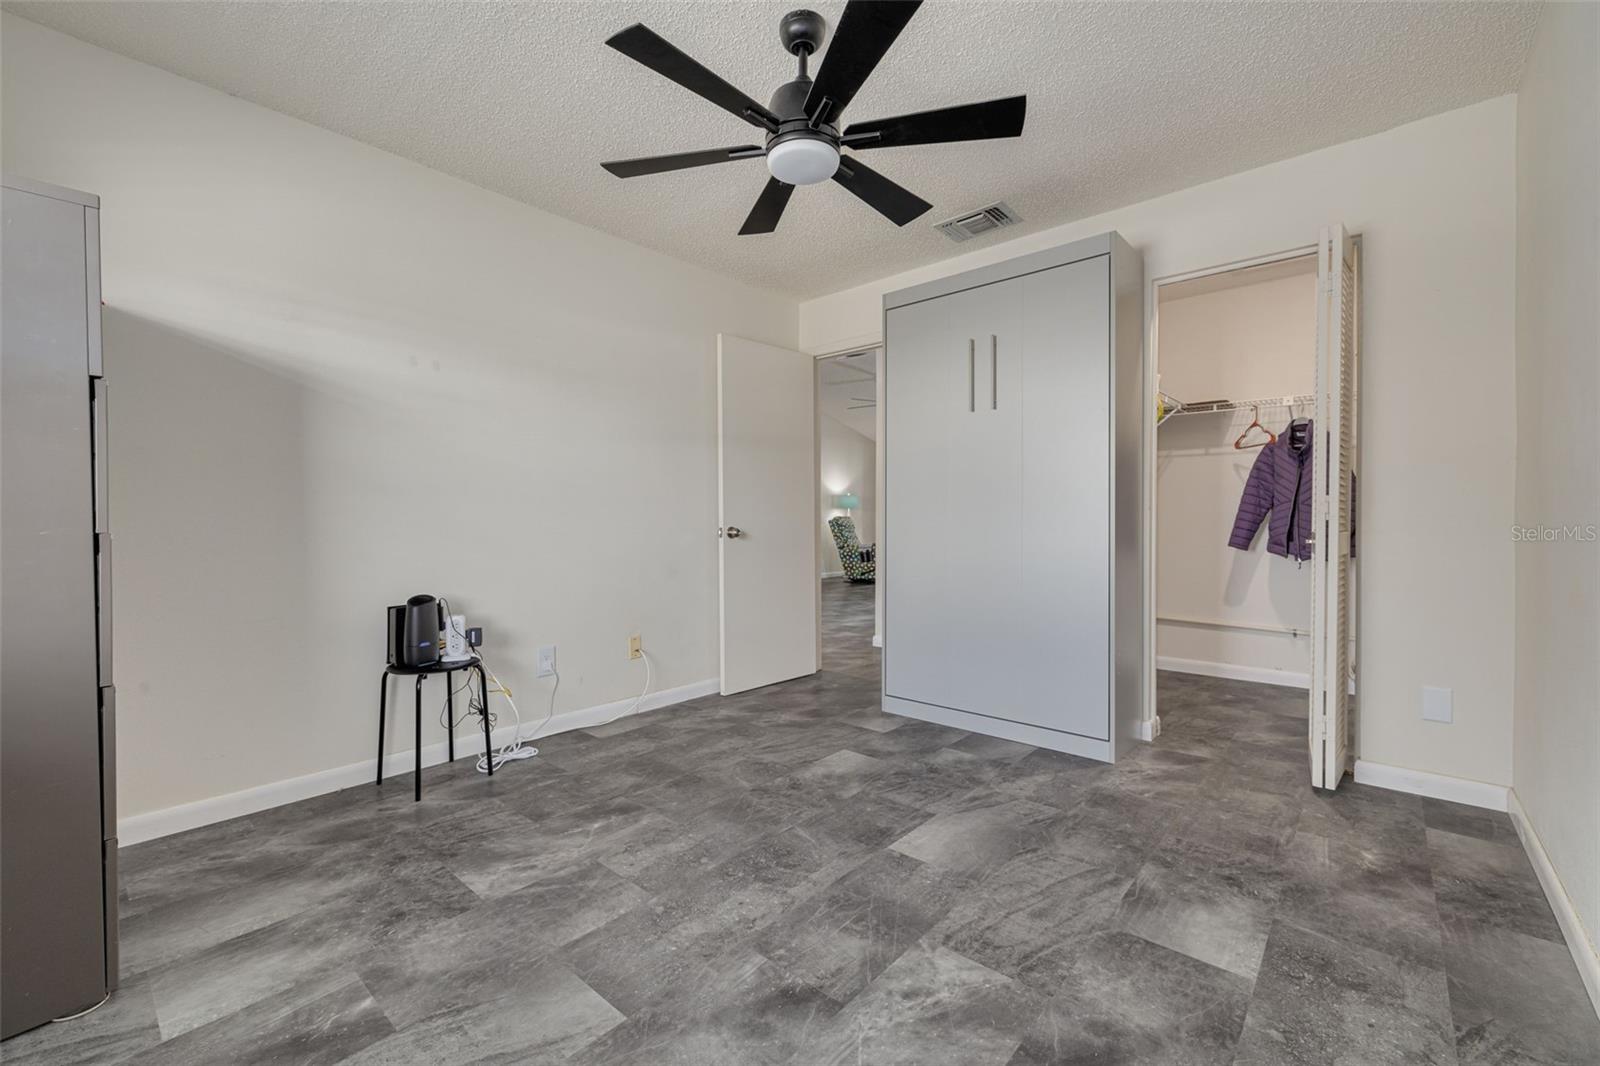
<point x="547" y="660"/>
<point x="1438" y="704"/>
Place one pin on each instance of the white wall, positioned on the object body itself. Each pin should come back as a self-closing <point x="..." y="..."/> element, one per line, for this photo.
<point x="1247" y="341"/>
<point x="1558" y="479"/>
<point x="339" y="378"/>
<point x="1434" y="202"/>
<point x="848" y="464"/>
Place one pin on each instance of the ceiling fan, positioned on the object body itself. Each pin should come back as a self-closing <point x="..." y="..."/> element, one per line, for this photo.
<point x="802" y="121"/>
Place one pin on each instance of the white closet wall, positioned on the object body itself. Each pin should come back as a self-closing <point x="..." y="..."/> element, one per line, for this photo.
<point x="1246" y="335"/>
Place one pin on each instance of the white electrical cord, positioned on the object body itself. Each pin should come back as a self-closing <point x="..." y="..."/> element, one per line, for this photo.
<point x="634" y="706"/>
<point x="510" y="752"/>
<point x="516" y="749"/>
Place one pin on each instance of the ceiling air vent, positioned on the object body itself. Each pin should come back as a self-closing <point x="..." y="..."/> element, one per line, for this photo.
<point x="984" y="219"/>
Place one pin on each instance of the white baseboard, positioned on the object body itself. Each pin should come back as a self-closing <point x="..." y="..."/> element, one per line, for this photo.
<point x="1436" y="786"/>
<point x="1259" y="674"/>
<point x="833" y="573"/>
<point x="1150" y="728"/>
<point x="877" y="640"/>
<point x="1579" y="942"/>
<point x="141" y="827"/>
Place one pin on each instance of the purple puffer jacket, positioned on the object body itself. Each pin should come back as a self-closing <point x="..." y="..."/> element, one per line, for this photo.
<point x="1279" y="488"/>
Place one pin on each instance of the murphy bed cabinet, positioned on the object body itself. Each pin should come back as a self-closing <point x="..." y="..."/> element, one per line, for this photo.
<point x="1013" y="555"/>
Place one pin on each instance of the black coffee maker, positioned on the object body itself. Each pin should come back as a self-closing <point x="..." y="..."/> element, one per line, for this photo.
<point x="414" y="629"/>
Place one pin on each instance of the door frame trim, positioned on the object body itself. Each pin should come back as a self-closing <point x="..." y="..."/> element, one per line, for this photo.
<point x="877" y="476"/>
<point x="1149" y="719"/>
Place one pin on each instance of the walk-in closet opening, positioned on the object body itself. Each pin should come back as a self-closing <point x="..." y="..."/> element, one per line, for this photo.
<point x="1237" y="568"/>
<point x="847" y="506"/>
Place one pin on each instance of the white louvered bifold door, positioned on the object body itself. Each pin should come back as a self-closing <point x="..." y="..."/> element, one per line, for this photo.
<point x="1333" y="459"/>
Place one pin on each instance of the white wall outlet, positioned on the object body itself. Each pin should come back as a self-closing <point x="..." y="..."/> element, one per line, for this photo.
<point x="547" y="660"/>
<point x="1438" y="704"/>
<point x="633" y="647"/>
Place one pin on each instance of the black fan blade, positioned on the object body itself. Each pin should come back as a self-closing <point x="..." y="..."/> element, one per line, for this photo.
<point x="641" y="43"/>
<point x="970" y="122"/>
<point x="879" y="193"/>
<point x="660" y="164"/>
<point x="866" y="30"/>
<point x="763" y="217"/>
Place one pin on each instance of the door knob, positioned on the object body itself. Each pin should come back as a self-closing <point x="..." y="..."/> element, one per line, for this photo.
<point x="734" y="532"/>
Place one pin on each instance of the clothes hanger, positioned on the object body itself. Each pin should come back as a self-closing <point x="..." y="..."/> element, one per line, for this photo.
<point x="1255" y="423"/>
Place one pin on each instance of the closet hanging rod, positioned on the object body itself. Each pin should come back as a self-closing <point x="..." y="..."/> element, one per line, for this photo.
<point x="1256" y="627"/>
<point x="1206" y="407"/>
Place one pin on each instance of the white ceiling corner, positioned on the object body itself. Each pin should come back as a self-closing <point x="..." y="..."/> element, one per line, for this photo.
<point x="1125" y="101"/>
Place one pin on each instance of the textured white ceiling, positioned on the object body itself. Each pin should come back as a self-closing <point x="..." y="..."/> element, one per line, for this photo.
<point x="1125" y="101"/>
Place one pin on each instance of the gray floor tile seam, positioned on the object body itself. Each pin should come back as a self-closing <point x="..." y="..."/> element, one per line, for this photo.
<point x="401" y="1024"/>
<point x="1470" y="922"/>
<point x="318" y="972"/>
<point x="1558" y="939"/>
<point x="1114" y="927"/>
<point x="928" y="942"/>
<point x="1272" y="904"/>
<point x="672" y="1002"/>
<point x="656" y="900"/>
<point x="820" y="890"/>
<point x="1512" y="848"/>
<point x="265" y="931"/>
<point x="1278" y="911"/>
<point x="1398" y="960"/>
<point x="265" y="1013"/>
<point x="1330" y="1000"/>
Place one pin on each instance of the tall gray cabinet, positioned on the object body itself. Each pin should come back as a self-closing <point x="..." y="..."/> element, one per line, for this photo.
<point x="1013" y="555"/>
<point x="58" y="848"/>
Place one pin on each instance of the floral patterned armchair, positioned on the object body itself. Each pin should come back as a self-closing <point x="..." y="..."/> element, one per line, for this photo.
<point x="860" y="563"/>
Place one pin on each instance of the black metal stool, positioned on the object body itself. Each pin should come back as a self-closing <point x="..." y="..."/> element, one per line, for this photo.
<point x="420" y="672"/>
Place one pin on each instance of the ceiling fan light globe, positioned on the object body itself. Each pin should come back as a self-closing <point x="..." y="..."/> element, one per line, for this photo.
<point x="803" y="161"/>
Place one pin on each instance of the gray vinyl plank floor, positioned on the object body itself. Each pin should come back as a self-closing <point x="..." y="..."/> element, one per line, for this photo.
<point x="791" y="876"/>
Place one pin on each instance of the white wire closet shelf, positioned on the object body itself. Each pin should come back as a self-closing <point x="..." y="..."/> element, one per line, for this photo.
<point x="1170" y="406"/>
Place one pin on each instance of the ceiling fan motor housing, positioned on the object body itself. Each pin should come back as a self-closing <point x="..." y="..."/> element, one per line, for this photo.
<point x="799" y="153"/>
<point x="802" y="31"/>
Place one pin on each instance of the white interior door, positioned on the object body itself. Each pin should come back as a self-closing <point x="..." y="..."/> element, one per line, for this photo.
<point x="1333" y="459"/>
<point x="767" y="481"/>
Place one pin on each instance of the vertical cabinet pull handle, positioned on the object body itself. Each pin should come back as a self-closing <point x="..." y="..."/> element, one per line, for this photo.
<point x="994" y="373"/>
<point x="972" y="374"/>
